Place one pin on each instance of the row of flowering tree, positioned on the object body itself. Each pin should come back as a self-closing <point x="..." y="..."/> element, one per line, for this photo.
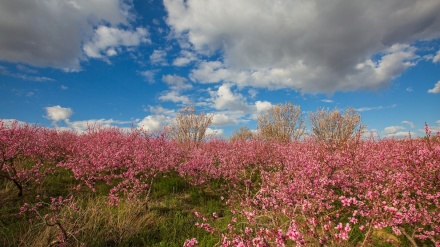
<point x="307" y="193"/>
<point x="301" y="193"/>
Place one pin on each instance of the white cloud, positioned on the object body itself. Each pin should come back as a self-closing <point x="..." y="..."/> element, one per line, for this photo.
<point x="175" y="97"/>
<point x="402" y="134"/>
<point x="211" y="72"/>
<point x="399" y="131"/>
<point x="148" y="75"/>
<point x="55" y="39"/>
<point x="82" y="126"/>
<point x="327" y="101"/>
<point x="57" y="113"/>
<point x="375" y="108"/>
<point x="176" y="82"/>
<point x="154" y="123"/>
<point x="186" y="57"/>
<point x="107" y="39"/>
<point x="225" y="99"/>
<point x="304" y="45"/>
<point x="263" y="106"/>
<point x="159" y="110"/>
<point x="252" y="93"/>
<point x="6" y="72"/>
<point x="221" y="119"/>
<point x="9" y="122"/>
<point x="214" y="132"/>
<point x="436" y="58"/>
<point x="393" y="129"/>
<point x="372" y="133"/>
<point x="410" y="124"/>
<point x="366" y="75"/>
<point x="158" y="57"/>
<point x="181" y="61"/>
<point x="435" y="89"/>
<point x="434" y="128"/>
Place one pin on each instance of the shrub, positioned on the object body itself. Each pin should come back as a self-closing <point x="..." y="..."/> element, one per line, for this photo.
<point x="332" y="127"/>
<point x="283" y="122"/>
<point x="243" y="133"/>
<point x="190" y="128"/>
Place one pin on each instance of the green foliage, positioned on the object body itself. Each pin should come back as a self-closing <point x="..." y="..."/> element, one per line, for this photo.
<point x="167" y="221"/>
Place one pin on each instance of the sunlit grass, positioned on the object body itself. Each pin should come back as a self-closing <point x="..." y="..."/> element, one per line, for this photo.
<point x="167" y="219"/>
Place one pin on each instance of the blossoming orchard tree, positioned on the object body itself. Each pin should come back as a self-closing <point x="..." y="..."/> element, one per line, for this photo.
<point x="276" y="193"/>
<point x="189" y="128"/>
<point x="282" y="122"/>
<point x="28" y="153"/>
<point x="334" y="127"/>
<point x="243" y="133"/>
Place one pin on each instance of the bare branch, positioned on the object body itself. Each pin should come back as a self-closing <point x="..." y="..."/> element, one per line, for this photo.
<point x="283" y="122"/>
<point x="190" y="127"/>
<point x="333" y="127"/>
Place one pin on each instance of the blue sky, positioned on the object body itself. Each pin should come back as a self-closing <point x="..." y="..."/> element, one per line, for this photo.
<point x="121" y="63"/>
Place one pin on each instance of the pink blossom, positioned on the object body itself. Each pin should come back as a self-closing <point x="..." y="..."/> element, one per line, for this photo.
<point x="191" y="242"/>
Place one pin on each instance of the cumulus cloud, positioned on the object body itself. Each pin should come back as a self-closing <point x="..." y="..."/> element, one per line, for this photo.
<point x="309" y="46"/>
<point x="159" y="110"/>
<point x="368" y="74"/>
<point x="212" y="72"/>
<point x="214" y="132"/>
<point x="435" y="89"/>
<point x="436" y="58"/>
<point x="402" y="134"/>
<point x="393" y="129"/>
<point x="174" y="96"/>
<point x="9" y="122"/>
<point x="82" y="125"/>
<point x="252" y="93"/>
<point x="410" y="124"/>
<point x="159" y="118"/>
<point x="185" y="58"/>
<point x="107" y="40"/>
<point x="158" y="57"/>
<point x="399" y="131"/>
<point x="222" y="119"/>
<point x="263" y="106"/>
<point x="154" y="123"/>
<point x="225" y="99"/>
<point x="58" y="113"/>
<point x="148" y="75"/>
<point x="49" y="33"/>
<point x="176" y="82"/>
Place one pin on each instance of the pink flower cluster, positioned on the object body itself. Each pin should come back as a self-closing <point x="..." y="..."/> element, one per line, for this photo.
<point x="301" y="193"/>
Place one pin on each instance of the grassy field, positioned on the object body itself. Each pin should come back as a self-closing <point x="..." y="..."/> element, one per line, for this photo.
<point x="167" y="219"/>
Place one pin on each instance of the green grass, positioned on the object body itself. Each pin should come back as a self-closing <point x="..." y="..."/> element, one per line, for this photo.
<point x="166" y="220"/>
